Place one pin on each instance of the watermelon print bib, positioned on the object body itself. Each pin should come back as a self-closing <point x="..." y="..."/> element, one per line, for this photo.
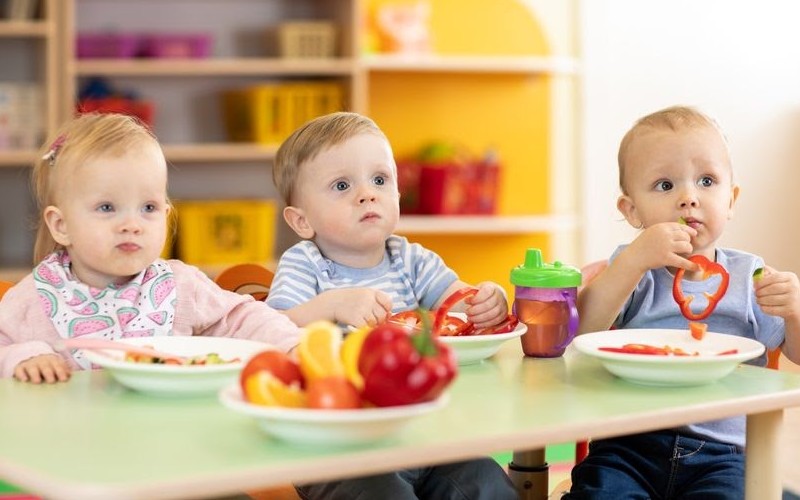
<point x="142" y="307"/>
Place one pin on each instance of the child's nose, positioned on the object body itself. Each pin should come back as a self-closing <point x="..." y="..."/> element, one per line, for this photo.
<point x="688" y="199"/>
<point x="131" y="225"/>
<point x="366" y="194"/>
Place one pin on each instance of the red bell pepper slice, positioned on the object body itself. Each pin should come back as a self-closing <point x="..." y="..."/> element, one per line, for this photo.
<point x="709" y="268"/>
<point x="507" y="325"/>
<point x="449" y="302"/>
<point x="452" y="325"/>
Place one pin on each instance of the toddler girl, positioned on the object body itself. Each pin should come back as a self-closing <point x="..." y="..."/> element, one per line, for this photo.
<point x="101" y="192"/>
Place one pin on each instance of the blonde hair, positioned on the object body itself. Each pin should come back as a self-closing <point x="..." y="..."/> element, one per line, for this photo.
<point x="312" y="138"/>
<point x="673" y="118"/>
<point x="83" y="138"/>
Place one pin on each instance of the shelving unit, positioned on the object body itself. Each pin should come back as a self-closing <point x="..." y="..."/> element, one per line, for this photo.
<point x="193" y="139"/>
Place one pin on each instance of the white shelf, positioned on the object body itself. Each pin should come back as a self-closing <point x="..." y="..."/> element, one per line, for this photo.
<point x="471" y="64"/>
<point x="221" y="152"/>
<point x="485" y="224"/>
<point x="215" y="67"/>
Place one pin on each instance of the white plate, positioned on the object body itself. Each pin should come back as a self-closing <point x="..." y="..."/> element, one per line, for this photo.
<point x="179" y="380"/>
<point x="304" y="426"/>
<point x="646" y="369"/>
<point x="471" y="349"/>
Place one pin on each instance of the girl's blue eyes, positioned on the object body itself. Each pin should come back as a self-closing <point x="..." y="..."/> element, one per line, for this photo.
<point x="342" y="186"/>
<point x="706" y="181"/>
<point x="379" y="180"/>
<point x="107" y="208"/>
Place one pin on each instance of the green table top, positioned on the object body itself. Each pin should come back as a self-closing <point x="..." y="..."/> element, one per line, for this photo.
<point x="91" y="438"/>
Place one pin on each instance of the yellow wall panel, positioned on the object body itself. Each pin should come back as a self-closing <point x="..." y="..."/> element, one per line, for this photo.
<point x="480" y="27"/>
<point x="484" y="257"/>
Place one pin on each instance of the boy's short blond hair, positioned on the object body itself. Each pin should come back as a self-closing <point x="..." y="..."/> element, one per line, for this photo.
<point x="312" y="138"/>
<point x="673" y="118"/>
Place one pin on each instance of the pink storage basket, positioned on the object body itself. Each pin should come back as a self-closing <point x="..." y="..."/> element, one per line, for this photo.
<point x="108" y="45"/>
<point x="176" y="46"/>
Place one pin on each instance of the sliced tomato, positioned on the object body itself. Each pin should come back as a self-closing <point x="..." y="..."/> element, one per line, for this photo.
<point x="275" y="362"/>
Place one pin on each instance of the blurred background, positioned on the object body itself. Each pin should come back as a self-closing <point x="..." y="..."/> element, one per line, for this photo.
<point x="504" y="116"/>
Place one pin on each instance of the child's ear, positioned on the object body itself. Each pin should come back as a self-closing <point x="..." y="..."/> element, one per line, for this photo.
<point x="56" y="224"/>
<point x="628" y="210"/>
<point x="297" y="220"/>
<point x="734" y="197"/>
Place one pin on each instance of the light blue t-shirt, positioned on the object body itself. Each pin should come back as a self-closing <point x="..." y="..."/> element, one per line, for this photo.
<point x="410" y="274"/>
<point x="651" y="306"/>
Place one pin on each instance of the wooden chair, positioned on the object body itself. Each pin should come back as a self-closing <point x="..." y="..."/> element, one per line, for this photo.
<point x="589" y="272"/>
<point x="256" y="280"/>
<point x="253" y="279"/>
<point x="4" y="286"/>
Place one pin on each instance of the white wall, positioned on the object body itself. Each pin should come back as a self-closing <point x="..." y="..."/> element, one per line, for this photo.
<point x="739" y="61"/>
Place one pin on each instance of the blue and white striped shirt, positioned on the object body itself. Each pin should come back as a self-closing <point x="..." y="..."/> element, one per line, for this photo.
<point x="410" y="274"/>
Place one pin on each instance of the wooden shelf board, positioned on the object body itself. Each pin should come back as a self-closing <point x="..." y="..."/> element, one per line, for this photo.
<point x="216" y="67"/>
<point x="16" y="29"/>
<point x="485" y="224"/>
<point x="16" y="158"/>
<point x="219" y="152"/>
<point x="13" y="274"/>
<point x="472" y="64"/>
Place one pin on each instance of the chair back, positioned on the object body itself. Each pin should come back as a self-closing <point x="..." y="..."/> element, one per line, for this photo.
<point x="4" y="286"/>
<point x="252" y="279"/>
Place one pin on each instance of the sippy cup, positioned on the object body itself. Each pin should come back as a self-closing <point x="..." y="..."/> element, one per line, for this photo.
<point x="545" y="300"/>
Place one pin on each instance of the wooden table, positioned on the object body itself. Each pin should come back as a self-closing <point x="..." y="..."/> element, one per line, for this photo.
<point x="92" y="439"/>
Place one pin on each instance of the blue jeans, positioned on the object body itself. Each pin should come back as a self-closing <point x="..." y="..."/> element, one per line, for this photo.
<point x="480" y="479"/>
<point x="658" y="465"/>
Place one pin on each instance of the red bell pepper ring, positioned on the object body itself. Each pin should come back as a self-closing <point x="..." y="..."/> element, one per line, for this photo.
<point x="709" y="268"/>
<point x="456" y="297"/>
<point x="401" y="368"/>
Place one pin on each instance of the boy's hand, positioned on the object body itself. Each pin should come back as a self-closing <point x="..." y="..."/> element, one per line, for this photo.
<point x="488" y="307"/>
<point x="778" y="293"/>
<point x="662" y="245"/>
<point x="48" y="368"/>
<point x="360" y="306"/>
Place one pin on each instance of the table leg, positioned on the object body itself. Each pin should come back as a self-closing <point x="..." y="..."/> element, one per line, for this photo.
<point x="762" y="460"/>
<point x="528" y="471"/>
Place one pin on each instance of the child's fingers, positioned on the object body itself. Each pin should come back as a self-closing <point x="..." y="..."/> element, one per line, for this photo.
<point x="683" y="263"/>
<point x="385" y="301"/>
<point x="20" y="373"/>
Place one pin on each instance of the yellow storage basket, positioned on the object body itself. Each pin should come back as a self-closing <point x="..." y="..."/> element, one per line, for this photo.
<point x="226" y="232"/>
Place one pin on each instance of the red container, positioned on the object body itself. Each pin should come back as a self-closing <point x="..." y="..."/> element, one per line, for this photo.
<point x="143" y="110"/>
<point x="458" y="188"/>
<point x="408" y="185"/>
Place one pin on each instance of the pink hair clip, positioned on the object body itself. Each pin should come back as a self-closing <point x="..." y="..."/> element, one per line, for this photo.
<point x="53" y="151"/>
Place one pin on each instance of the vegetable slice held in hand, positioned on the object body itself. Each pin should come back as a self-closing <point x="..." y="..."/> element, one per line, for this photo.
<point x="709" y="268"/>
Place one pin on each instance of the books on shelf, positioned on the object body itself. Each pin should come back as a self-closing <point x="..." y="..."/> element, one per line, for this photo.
<point x="19" y="10"/>
<point x="21" y="116"/>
